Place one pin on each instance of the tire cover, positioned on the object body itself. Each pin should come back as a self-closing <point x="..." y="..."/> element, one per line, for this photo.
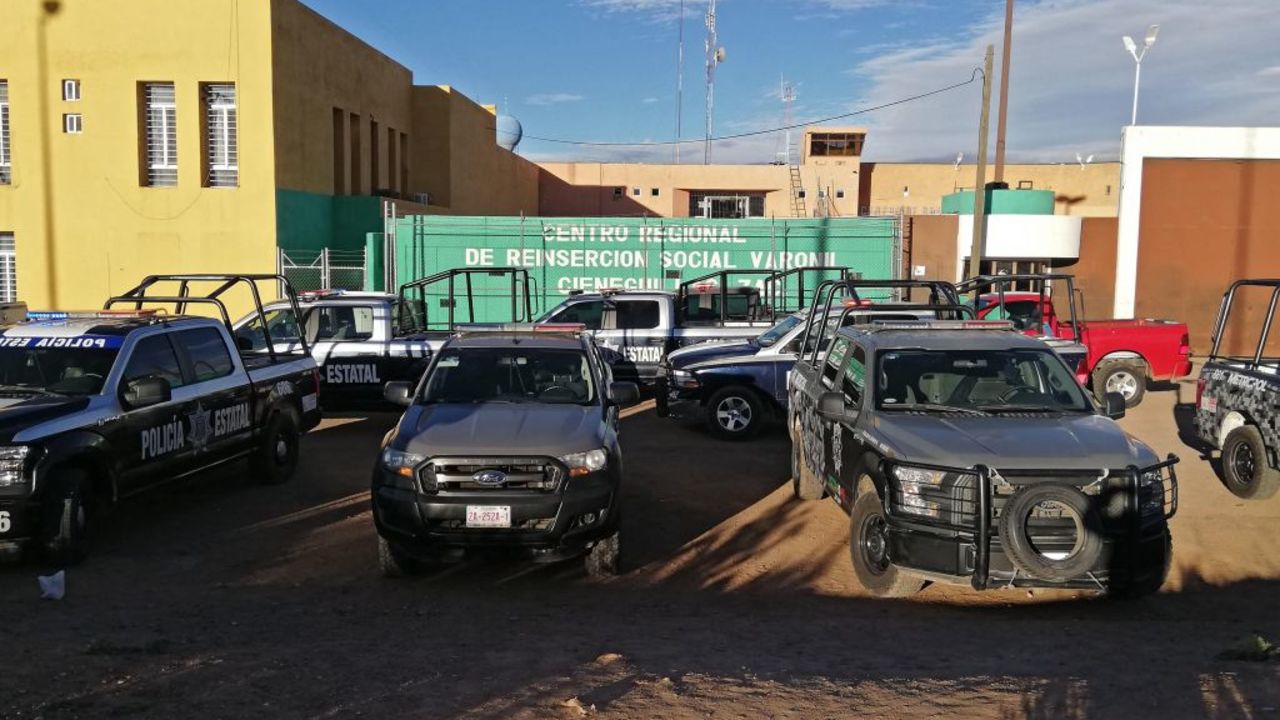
<point x="1017" y="542"/>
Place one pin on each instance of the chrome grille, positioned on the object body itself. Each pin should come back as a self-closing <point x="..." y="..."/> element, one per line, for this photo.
<point x="521" y="474"/>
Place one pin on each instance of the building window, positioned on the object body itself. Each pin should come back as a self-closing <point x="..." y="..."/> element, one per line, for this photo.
<point x="222" y="154"/>
<point x="801" y="194"/>
<point x="635" y="192"/>
<point x="72" y="123"/>
<point x="654" y="192"/>
<point x="835" y="144"/>
<point x="839" y="194"/>
<point x="8" y="269"/>
<point x="6" y="168"/>
<point x="161" y="132"/>
<point x="619" y="193"/>
<point x="71" y="90"/>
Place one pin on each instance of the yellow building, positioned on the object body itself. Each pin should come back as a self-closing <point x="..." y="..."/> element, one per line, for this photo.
<point x="147" y="136"/>
<point x="824" y="183"/>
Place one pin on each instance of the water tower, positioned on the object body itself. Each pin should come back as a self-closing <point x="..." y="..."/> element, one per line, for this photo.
<point x="509" y="132"/>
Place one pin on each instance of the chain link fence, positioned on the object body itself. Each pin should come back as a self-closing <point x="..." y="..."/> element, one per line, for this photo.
<point x="324" y="269"/>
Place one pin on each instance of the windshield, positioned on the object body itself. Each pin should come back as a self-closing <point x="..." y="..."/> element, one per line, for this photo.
<point x="80" y="370"/>
<point x="284" y="329"/>
<point x="543" y="375"/>
<point x="771" y="336"/>
<point x="987" y="380"/>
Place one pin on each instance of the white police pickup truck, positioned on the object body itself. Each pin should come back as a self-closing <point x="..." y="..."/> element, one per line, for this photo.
<point x="363" y="340"/>
<point x="97" y="406"/>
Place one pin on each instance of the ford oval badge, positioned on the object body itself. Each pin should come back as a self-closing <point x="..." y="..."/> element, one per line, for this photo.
<point x="491" y="478"/>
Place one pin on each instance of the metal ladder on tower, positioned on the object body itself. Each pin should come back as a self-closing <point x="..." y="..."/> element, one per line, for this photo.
<point x="797" y="187"/>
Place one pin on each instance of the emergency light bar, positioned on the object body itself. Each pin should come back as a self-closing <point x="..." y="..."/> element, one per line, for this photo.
<point x="309" y="295"/>
<point x="941" y="325"/>
<point x="857" y="302"/>
<point x="508" y="328"/>
<point x="90" y="314"/>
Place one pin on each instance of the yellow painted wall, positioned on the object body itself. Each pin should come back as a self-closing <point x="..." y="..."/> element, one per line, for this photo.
<point x="84" y="227"/>
<point x="587" y="188"/>
<point x="319" y="66"/>
<point x="457" y="160"/>
<point x="1092" y="191"/>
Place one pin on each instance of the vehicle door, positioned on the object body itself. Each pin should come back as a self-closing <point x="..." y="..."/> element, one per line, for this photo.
<point x="640" y="336"/>
<point x="349" y="342"/>
<point x="846" y="450"/>
<point x="222" y="417"/>
<point x="153" y="441"/>
<point x="810" y="383"/>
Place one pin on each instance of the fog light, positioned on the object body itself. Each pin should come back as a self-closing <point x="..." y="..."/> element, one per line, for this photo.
<point x="588" y="519"/>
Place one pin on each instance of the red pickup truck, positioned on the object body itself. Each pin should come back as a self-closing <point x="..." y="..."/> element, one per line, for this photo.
<point x="1122" y="355"/>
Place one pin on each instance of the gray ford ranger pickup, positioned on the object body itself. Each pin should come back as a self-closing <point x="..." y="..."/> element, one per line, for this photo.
<point x="509" y="440"/>
<point x="966" y="452"/>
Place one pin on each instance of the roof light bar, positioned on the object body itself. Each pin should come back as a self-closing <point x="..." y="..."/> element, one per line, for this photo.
<point x="942" y="324"/>
<point x="90" y="314"/>
<point x="309" y="295"/>
<point x="508" y="328"/>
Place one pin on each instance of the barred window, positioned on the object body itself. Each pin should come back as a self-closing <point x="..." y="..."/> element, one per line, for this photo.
<point x="8" y="269"/>
<point x="161" y="134"/>
<point x="6" y="168"/>
<point x="221" y="147"/>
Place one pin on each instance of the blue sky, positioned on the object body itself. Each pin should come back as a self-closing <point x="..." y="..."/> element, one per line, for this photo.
<point x="605" y="70"/>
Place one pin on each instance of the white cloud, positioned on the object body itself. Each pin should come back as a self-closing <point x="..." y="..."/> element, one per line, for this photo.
<point x="649" y="100"/>
<point x="1072" y="81"/>
<point x="552" y="98"/>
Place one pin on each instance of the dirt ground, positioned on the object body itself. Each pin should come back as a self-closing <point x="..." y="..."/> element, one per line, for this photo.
<point x="222" y="599"/>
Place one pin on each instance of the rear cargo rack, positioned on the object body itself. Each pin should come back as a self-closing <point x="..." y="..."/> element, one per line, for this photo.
<point x="1224" y="311"/>
<point x="138" y="297"/>
<point x="943" y="300"/>
<point x="1000" y="284"/>
<point x="415" y="294"/>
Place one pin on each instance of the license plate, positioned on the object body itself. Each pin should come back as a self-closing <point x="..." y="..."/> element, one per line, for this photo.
<point x="488" y="516"/>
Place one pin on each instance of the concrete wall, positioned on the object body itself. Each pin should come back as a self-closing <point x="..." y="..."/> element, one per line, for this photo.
<point x="458" y="161"/>
<point x="588" y="188"/>
<point x="930" y="241"/>
<point x="317" y="67"/>
<point x="1190" y="251"/>
<point x="1092" y="191"/>
<point x="83" y="225"/>
<point x="1095" y="271"/>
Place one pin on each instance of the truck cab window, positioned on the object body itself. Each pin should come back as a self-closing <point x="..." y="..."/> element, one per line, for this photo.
<point x="209" y="356"/>
<point x="586" y="313"/>
<point x="835" y="359"/>
<point x="340" y="323"/>
<point x="855" y="377"/>
<point x="153" y="356"/>
<point x="284" y="329"/>
<point x="638" y="314"/>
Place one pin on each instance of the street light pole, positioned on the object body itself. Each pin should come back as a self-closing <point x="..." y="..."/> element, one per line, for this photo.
<point x="1137" y="54"/>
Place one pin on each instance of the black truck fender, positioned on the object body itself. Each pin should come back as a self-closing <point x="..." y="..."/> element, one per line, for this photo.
<point x="81" y="448"/>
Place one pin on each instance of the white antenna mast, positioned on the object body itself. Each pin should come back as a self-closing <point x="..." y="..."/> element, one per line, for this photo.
<point x="680" y="82"/>
<point x="788" y="94"/>
<point x="715" y="56"/>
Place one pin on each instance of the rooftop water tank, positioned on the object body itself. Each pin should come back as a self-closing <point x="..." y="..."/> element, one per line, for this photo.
<point x="509" y="132"/>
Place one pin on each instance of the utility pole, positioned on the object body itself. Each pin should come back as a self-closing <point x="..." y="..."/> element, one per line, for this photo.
<point x="1004" y="89"/>
<point x="680" y="82"/>
<point x="980" y="184"/>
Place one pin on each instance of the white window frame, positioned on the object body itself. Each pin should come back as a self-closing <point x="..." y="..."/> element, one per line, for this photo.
<point x="223" y="156"/>
<point x="72" y="123"/>
<point x="8" y="268"/>
<point x="161" y="123"/>
<point x="6" y="161"/>
<point x="71" y="90"/>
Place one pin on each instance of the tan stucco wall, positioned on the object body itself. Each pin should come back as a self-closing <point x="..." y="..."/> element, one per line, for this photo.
<point x="1092" y="191"/>
<point x="83" y="225"/>
<point x="587" y="188"/>
<point x="319" y="66"/>
<point x="457" y="160"/>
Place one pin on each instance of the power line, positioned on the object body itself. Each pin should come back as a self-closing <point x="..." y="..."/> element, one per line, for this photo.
<point x="658" y="143"/>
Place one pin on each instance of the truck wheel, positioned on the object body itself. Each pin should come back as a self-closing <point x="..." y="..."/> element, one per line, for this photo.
<point x="869" y="548"/>
<point x="734" y="413"/>
<point x="1245" y="468"/>
<point x="395" y="563"/>
<point x="1023" y="532"/>
<point x="66" y="521"/>
<point x="602" y="559"/>
<point x="1127" y="377"/>
<point x="1127" y="588"/>
<point x="277" y="458"/>
<point x="803" y="483"/>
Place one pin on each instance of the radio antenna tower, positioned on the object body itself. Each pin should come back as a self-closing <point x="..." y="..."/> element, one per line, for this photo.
<point x="680" y="82"/>
<point x="788" y="94"/>
<point x="715" y="56"/>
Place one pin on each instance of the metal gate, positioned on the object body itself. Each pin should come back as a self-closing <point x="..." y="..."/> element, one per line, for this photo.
<point x="325" y="269"/>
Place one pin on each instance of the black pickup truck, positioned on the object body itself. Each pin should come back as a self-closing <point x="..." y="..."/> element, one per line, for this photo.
<point x="96" y="406"/>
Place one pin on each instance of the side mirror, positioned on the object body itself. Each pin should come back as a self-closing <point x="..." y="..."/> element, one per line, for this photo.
<point x="1114" y="405"/>
<point x="831" y="406"/>
<point x="145" y="392"/>
<point x="624" y="394"/>
<point x="398" y="393"/>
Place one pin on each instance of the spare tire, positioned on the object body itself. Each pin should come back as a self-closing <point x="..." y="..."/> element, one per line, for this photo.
<point x="1035" y="541"/>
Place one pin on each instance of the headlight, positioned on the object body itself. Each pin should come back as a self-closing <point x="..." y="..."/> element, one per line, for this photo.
<point x="915" y="483"/>
<point x="13" y="464"/>
<point x="1151" y="492"/>
<point x="683" y="379"/>
<point x="585" y="462"/>
<point x="400" y="463"/>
